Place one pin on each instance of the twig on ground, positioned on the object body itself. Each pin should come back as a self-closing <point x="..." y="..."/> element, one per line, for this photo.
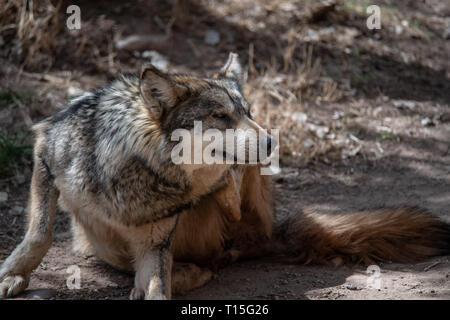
<point x="44" y="77"/>
<point x="434" y="264"/>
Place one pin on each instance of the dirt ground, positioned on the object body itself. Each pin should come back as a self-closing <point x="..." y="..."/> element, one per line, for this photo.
<point x="368" y="124"/>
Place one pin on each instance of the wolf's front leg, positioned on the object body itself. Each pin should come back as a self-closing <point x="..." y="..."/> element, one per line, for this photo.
<point x="15" y="271"/>
<point x="154" y="263"/>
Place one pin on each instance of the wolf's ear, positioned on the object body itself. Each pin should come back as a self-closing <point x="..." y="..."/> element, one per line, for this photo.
<point x="232" y="69"/>
<point x="159" y="90"/>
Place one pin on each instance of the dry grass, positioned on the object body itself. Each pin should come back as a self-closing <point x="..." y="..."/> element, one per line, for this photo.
<point x="278" y="98"/>
<point x="36" y="37"/>
<point x="31" y="30"/>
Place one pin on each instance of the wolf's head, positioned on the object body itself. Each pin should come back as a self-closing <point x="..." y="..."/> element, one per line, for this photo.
<point x="211" y="114"/>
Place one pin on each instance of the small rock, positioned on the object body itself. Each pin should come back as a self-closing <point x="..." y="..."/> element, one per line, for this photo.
<point x="212" y="37"/>
<point x="3" y="197"/>
<point x="427" y="122"/>
<point x="351" y="287"/>
<point x="140" y="42"/>
<point x="404" y="104"/>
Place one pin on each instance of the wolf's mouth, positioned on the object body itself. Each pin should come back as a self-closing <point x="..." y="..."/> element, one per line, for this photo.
<point x="226" y="156"/>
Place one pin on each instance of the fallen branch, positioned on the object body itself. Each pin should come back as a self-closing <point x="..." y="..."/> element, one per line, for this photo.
<point x="432" y="265"/>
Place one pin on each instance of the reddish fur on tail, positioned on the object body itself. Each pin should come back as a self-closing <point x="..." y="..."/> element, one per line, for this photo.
<point x="402" y="234"/>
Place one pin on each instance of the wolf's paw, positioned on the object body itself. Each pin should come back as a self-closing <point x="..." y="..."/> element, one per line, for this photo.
<point x="12" y="285"/>
<point x="137" y="294"/>
<point x="228" y="257"/>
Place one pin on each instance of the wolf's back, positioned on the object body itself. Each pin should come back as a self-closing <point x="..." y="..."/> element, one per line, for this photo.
<point x="401" y="234"/>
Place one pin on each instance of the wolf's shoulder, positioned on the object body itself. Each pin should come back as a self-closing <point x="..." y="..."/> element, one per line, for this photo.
<point x="83" y="104"/>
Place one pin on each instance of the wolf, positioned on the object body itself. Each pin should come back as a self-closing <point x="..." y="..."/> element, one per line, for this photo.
<point x="106" y="160"/>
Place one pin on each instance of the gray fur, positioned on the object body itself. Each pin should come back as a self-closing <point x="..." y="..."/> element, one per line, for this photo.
<point x="106" y="157"/>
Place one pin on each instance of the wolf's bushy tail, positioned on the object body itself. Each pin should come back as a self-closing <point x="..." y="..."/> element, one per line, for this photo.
<point x="401" y="234"/>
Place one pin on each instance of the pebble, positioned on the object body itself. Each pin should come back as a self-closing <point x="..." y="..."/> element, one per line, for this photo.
<point x="351" y="287"/>
<point x="405" y="104"/>
<point x="427" y="122"/>
<point x="212" y="37"/>
<point x="138" y="42"/>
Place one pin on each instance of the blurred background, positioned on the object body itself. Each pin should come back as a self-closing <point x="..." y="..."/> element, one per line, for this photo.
<point x="363" y="114"/>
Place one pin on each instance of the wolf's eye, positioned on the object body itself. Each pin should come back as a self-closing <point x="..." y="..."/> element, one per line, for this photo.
<point x="221" y="116"/>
